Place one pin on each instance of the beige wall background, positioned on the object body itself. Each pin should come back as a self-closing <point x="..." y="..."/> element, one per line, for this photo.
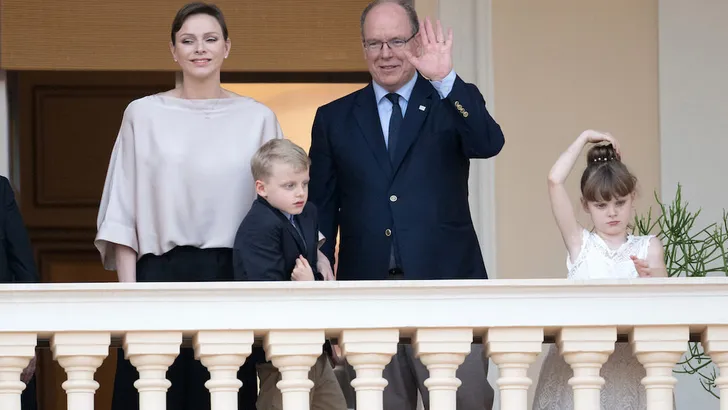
<point x="693" y="125"/>
<point x="295" y="104"/>
<point x="561" y="67"/>
<point x="694" y="103"/>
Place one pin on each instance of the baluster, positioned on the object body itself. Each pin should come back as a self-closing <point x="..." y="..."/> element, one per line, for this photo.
<point x="715" y="341"/>
<point x="223" y="352"/>
<point x="152" y="353"/>
<point x="80" y="355"/>
<point x="16" y="351"/>
<point x="442" y="351"/>
<point x="513" y="350"/>
<point x="586" y="349"/>
<point x="368" y="352"/>
<point x="659" y="348"/>
<point x="294" y="353"/>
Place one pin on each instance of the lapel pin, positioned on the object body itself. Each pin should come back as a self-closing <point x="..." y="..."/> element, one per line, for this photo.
<point x="422" y="107"/>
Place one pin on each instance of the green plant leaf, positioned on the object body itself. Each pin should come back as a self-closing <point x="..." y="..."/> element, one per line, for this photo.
<point x="690" y="251"/>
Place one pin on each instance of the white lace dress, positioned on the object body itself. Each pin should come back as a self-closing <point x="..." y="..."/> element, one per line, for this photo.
<point x="622" y="372"/>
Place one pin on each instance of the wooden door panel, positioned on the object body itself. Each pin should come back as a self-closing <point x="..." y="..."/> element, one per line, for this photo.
<point x="68" y="125"/>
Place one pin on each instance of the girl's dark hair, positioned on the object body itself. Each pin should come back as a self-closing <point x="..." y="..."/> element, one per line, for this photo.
<point x="605" y="176"/>
<point x="191" y="9"/>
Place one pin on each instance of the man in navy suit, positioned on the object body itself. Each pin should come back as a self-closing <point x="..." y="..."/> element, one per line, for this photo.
<point x="390" y="166"/>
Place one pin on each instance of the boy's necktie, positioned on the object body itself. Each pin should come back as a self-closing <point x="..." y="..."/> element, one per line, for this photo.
<point x="293" y="222"/>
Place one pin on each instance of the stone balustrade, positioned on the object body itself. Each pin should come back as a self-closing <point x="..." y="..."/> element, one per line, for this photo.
<point x="441" y="319"/>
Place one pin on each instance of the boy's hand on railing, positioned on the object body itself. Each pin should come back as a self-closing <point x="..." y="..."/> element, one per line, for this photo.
<point x="302" y="271"/>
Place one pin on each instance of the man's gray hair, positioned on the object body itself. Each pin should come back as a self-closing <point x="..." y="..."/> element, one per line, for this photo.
<point x="407" y="5"/>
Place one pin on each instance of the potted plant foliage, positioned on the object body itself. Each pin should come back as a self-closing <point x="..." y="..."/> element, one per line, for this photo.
<point x="691" y="250"/>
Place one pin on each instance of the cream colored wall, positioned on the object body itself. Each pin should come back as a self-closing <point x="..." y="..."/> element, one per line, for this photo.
<point x="560" y="67"/>
<point x="294" y="104"/>
<point x="693" y="126"/>
<point x="427" y="8"/>
<point x="694" y="103"/>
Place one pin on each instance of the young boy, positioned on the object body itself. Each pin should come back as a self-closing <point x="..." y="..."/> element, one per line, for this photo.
<point x="278" y="240"/>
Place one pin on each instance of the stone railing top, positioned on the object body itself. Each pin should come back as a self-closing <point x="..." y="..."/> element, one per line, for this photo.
<point x="406" y="305"/>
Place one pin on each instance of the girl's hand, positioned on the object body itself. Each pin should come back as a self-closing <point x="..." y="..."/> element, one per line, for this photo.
<point x="643" y="268"/>
<point x="596" y="137"/>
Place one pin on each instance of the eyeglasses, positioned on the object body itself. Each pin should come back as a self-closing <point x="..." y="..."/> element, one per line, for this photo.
<point x="376" y="45"/>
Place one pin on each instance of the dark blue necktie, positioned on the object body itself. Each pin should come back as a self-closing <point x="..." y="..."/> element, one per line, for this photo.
<point x="395" y="121"/>
<point x="293" y="222"/>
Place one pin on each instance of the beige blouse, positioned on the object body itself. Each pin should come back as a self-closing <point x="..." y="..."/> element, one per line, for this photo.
<point x="180" y="174"/>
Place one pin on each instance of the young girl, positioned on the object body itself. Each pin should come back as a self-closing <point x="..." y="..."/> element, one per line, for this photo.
<point x="607" y="251"/>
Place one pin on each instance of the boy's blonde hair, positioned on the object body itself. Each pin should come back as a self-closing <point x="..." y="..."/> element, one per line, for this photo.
<point x="281" y="151"/>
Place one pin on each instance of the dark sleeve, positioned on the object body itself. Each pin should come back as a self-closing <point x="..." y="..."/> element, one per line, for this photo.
<point x="480" y="135"/>
<point x="17" y="244"/>
<point x="314" y="262"/>
<point x="322" y="189"/>
<point x="257" y="253"/>
<point x="238" y="268"/>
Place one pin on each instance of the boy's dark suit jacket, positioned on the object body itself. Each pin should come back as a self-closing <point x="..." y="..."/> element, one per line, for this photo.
<point x="16" y="255"/>
<point x="267" y="244"/>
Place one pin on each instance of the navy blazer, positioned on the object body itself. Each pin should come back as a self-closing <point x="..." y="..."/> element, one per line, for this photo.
<point x="419" y="199"/>
<point x="16" y="256"/>
<point x="267" y="244"/>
